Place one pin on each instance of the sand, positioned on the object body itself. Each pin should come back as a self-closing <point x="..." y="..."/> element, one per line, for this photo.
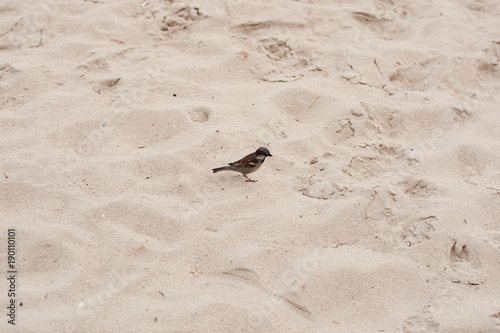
<point x="378" y="212"/>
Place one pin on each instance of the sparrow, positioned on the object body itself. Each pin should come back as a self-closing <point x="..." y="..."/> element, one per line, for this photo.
<point x="247" y="164"/>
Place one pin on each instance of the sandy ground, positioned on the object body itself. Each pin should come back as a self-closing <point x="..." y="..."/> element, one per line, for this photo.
<point x="379" y="212"/>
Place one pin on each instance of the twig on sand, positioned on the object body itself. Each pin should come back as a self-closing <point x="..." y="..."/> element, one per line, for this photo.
<point x="375" y="62"/>
<point x="314" y="100"/>
<point x="141" y="246"/>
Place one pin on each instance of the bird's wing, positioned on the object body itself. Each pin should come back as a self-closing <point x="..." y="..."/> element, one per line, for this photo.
<point x="247" y="161"/>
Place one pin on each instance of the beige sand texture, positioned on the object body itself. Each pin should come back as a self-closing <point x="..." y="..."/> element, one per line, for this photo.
<point x="379" y="212"/>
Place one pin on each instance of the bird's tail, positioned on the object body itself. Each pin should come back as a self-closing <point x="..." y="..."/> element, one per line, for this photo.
<point x="219" y="169"/>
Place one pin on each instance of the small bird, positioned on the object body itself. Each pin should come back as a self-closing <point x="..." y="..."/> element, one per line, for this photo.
<point x="247" y="164"/>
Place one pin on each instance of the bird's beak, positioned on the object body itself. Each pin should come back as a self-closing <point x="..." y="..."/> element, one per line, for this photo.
<point x="270" y="155"/>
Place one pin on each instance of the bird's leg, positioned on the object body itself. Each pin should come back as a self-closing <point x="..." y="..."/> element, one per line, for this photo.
<point x="249" y="180"/>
